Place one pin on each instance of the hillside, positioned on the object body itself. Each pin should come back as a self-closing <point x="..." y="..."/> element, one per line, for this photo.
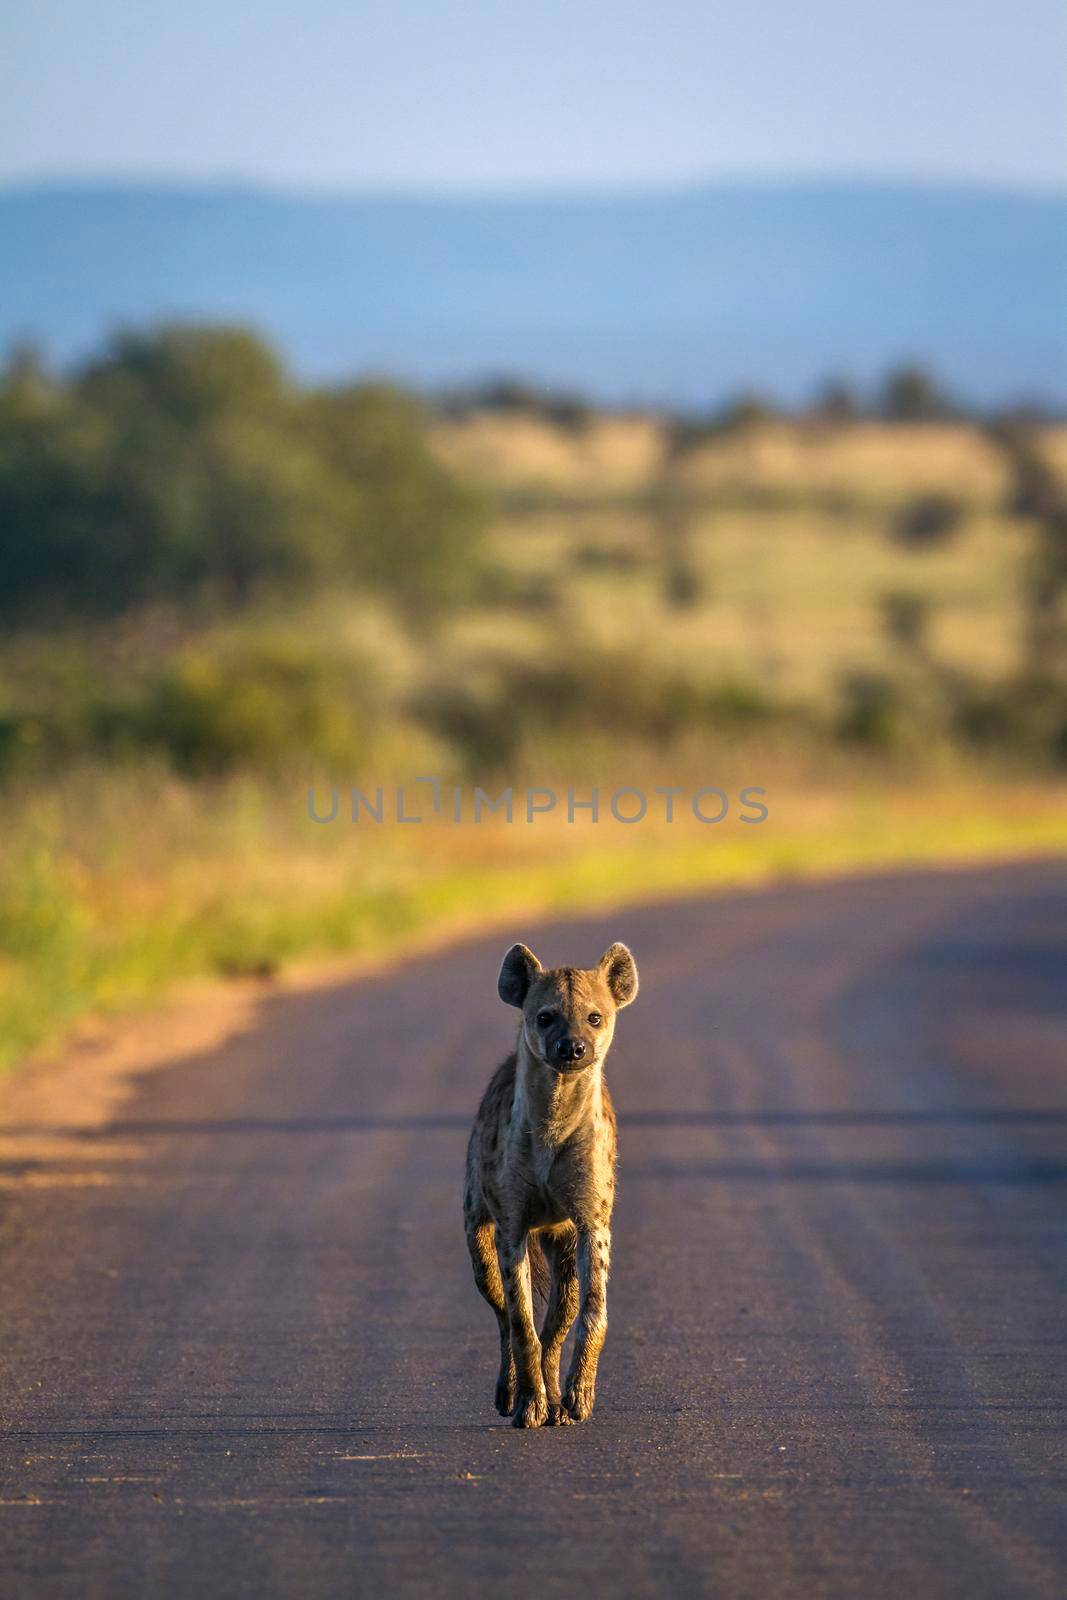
<point x="680" y="295"/>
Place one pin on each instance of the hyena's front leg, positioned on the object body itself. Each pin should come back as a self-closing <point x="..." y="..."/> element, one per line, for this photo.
<point x="594" y="1260"/>
<point x="562" y="1310"/>
<point x="531" y="1407"/>
<point x="482" y="1245"/>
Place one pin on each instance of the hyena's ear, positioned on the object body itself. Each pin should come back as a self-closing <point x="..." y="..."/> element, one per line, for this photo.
<point x="620" y="974"/>
<point x="520" y="969"/>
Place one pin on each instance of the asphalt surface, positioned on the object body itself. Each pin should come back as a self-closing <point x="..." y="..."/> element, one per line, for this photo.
<point x="249" y="1358"/>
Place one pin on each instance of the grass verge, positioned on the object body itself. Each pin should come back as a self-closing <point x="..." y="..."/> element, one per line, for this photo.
<point x="122" y="887"/>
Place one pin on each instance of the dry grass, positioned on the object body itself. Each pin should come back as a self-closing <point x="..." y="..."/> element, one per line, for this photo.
<point x="613" y="456"/>
<point x="861" y="463"/>
<point x="1054" y="445"/>
<point x="790" y="598"/>
<point x="866" y="463"/>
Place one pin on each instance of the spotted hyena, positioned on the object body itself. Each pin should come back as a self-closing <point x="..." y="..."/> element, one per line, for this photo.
<point x="541" y="1181"/>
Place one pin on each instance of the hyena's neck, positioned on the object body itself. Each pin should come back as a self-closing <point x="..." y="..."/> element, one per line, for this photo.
<point x="554" y="1104"/>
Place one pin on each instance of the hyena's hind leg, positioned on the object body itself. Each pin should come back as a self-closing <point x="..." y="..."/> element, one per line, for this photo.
<point x="561" y="1252"/>
<point x="481" y="1242"/>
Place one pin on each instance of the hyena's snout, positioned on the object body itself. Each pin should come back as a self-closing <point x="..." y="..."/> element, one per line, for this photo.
<point x="570" y="1049"/>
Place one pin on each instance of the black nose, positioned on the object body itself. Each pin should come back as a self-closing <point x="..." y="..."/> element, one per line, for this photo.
<point x="570" y="1049"/>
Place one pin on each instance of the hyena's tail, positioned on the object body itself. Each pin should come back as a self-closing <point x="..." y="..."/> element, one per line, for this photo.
<point x="539" y="1273"/>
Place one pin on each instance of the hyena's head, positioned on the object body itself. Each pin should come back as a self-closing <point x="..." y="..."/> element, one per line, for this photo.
<point x="568" y="1013"/>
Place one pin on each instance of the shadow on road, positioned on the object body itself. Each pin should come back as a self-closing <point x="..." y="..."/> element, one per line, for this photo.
<point x="964" y="1172"/>
<point x="431" y="1122"/>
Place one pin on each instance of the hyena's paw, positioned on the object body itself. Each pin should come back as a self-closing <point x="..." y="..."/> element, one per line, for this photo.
<point x="504" y="1399"/>
<point x="531" y="1410"/>
<point x="558" y="1415"/>
<point x="579" y="1400"/>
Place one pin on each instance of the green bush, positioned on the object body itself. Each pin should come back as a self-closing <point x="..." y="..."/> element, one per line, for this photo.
<point x="875" y="713"/>
<point x="588" y="693"/>
<point x="1026" y="716"/>
<point x="927" y="521"/>
<point x="263" y="707"/>
<point x="264" y="704"/>
<point x="683" y="586"/>
<point x="905" y="616"/>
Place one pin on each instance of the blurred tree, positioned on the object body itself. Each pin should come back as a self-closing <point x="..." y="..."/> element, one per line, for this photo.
<point x="188" y="375"/>
<point x="26" y="371"/>
<point x="571" y="412"/>
<point x="911" y="394"/>
<point x="409" y="527"/>
<point x="182" y="462"/>
<point x="836" y="402"/>
<point x="53" y="455"/>
<point x="746" y="410"/>
<point x="1037" y="492"/>
<point x="213" y="488"/>
<point x="672" y="510"/>
<point x="504" y="393"/>
<point x="562" y="408"/>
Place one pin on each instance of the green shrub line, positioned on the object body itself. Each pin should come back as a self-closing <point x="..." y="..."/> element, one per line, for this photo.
<point x="267" y="702"/>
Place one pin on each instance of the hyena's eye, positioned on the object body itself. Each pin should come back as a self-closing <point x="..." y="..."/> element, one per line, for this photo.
<point x="595" y="1018"/>
<point x="544" y="1018"/>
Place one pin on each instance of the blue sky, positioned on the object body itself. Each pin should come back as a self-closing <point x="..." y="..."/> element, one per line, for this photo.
<point x="506" y="94"/>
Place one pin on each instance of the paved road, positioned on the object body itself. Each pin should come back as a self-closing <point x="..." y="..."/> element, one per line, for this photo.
<point x="250" y="1360"/>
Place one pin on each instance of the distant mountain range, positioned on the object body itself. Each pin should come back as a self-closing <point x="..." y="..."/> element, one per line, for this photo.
<point x="684" y="295"/>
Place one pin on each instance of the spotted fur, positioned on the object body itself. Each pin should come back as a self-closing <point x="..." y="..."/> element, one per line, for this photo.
<point x="540" y="1182"/>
